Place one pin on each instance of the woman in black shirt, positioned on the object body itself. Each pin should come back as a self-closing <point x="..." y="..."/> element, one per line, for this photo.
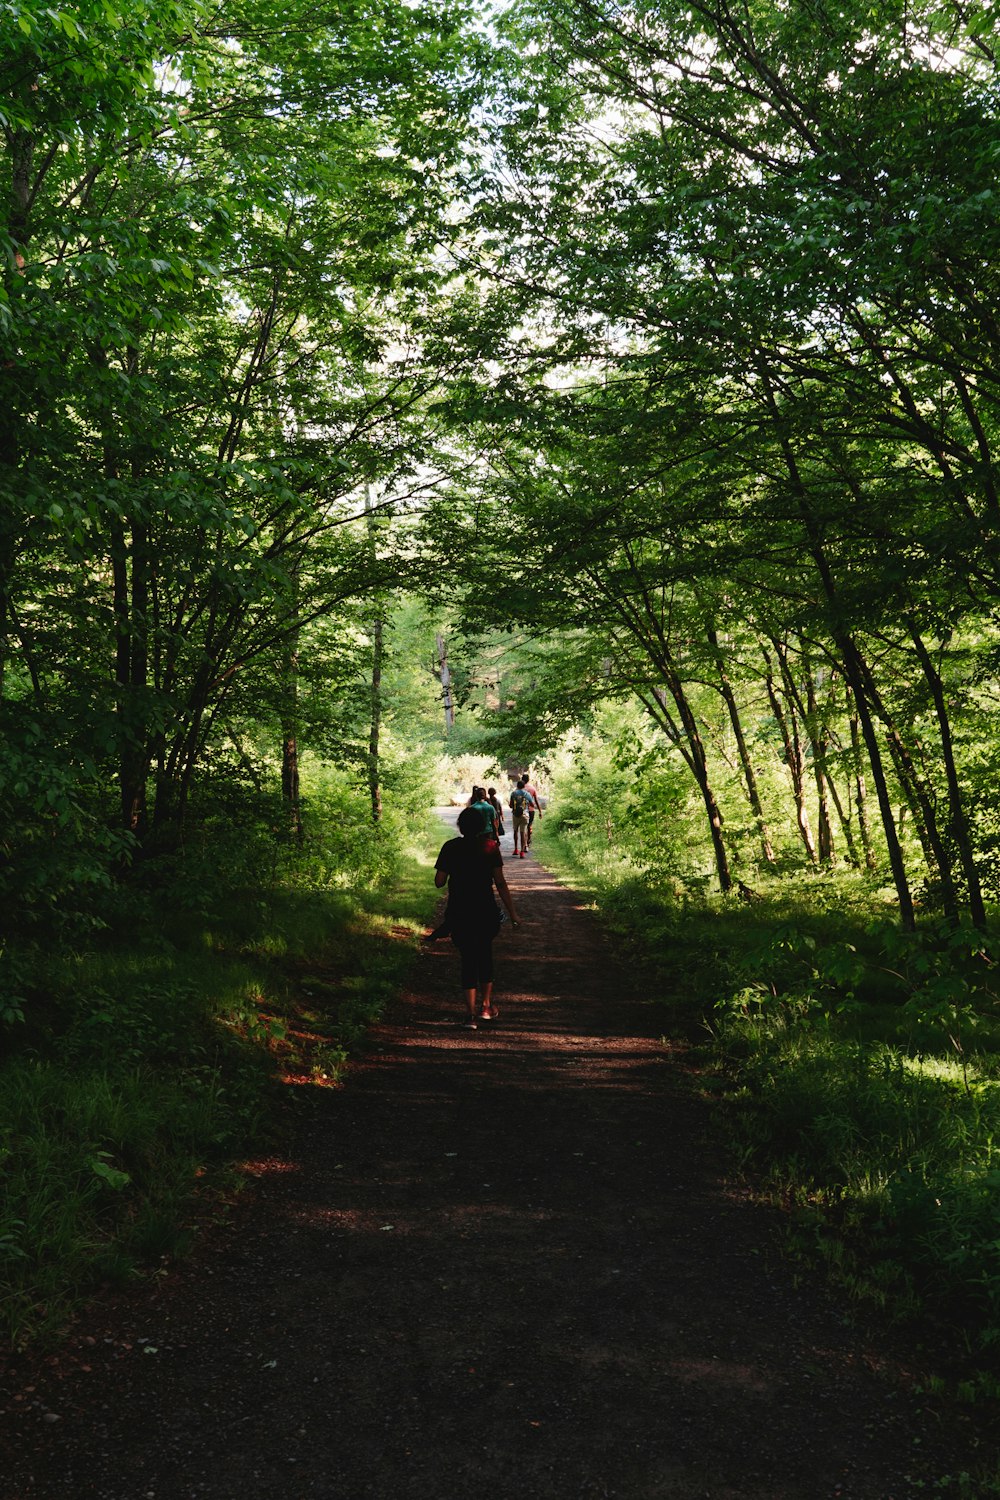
<point x="471" y="866"/>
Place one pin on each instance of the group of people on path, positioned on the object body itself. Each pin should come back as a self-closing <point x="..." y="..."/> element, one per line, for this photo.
<point x="523" y="802"/>
<point x="471" y="866"/>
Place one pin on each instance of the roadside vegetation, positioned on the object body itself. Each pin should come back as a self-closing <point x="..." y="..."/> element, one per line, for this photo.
<point x="154" y="1047"/>
<point x="856" y="1066"/>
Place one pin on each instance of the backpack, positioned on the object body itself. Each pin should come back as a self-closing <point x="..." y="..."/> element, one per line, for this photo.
<point x="519" y="802"/>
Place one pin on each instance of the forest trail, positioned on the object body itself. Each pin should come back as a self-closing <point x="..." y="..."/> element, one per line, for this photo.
<point x="502" y="1264"/>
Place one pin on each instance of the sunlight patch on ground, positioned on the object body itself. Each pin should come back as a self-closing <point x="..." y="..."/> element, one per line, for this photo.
<point x="360" y="1221"/>
<point x="942" y="1067"/>
<point x="396" y="928"/>
<point x="310" y="1080"/>
<point x="720" y="1372"/>
<point x="269" y="1166"/>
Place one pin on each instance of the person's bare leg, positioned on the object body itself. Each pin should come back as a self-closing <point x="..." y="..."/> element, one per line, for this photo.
<point x="470" y="1005"/>
<point x="487" y="1011"/>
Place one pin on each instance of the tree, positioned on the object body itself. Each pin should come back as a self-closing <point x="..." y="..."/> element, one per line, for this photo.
<point x="219" y="247"/>
<point x="765" y="248"/>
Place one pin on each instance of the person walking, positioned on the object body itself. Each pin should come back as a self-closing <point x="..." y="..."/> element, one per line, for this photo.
<point x="534" y="807"/>
<point x="482" y="804"/>
<point x="471" y="867"/>
<point x="519" y="802"/>
<point x="494" y="802"/>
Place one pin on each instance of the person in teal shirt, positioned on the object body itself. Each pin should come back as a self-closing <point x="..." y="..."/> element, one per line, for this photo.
<point x="482" y="804"/>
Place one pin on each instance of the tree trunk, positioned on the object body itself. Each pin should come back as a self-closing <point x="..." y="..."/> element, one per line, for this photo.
<point x="136" y="762"/>
<point x="850" y="656"/>
<point x="378" y="649"/>
<point x="176" y="762"/>
<point x="853" y="664"/>
<point x="958" y="823"/>
<point x="919" y="796"/>
<point x="692" y="748"/>
<point x="22" y="157"/>
<point x="22" y="147"/>
<point x="445" y="676"/>
<point x="374" y="773"/>
<point x="844" y="815"/>
<point x="129" y="587"/>
<point x="290" y="792"/>
<point x="818" y="739"/>
<point x="860" y="789"/>
<point x="749" y="774"/>
<point x="912" y="803"/>
<point x="793" y="754"/>
<point x="130" y="556"/>
<point x="6" y="572"/>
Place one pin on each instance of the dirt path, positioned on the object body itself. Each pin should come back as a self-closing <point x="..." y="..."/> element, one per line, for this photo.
<point x="500" y="1264"/>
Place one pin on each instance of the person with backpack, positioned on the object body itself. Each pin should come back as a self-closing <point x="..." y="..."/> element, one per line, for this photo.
<point x="520" y="803"/>
<point x="471" y="867"/>
<point x="535" y="807"/>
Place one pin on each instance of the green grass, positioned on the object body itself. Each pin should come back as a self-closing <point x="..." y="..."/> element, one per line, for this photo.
<point x="856" y="1071"/>
<point x="147" y="1063"/>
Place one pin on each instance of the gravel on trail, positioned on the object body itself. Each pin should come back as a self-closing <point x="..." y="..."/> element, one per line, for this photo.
<point x="505" y="1263"/>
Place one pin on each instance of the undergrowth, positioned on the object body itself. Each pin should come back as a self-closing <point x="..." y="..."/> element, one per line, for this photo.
<point x="857" y="1070"/>
<point x="141" y="1063"/>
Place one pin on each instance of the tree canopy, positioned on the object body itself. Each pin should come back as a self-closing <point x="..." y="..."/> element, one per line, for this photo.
<point x="657" y="340"/>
